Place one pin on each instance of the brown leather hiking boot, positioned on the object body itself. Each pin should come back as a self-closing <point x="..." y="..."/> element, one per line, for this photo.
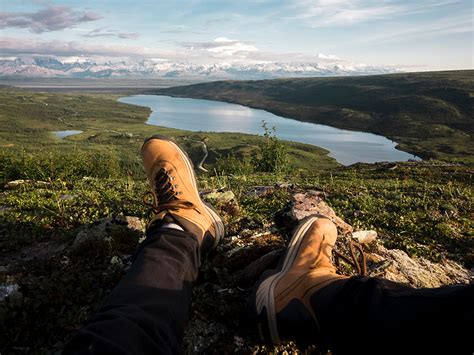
<point x="176" y="197"/>
<point x="281" y="301"/>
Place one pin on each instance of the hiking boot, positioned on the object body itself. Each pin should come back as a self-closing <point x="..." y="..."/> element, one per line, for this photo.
<point x="176" y="198"/>
<point x="281" y="299"/>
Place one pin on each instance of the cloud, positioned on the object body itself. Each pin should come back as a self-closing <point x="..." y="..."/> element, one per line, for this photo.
<point x="323" y="13"/>
<point x="99" y="32"/>
<point x="14" y="46"/>
<point x="446" y="26"/>
<point x="52" y="18"/>
<point x="328" y="56"/>
<point x="221" y="47"/>
<point x="219" y="50"/>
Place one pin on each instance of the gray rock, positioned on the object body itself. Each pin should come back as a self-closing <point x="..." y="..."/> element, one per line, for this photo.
<point x="10" y="291"/>
<point x="120" y="233"/>
<point x="15" y="184"/>
<point x="219" y="196"/>
<point x="418" y="272"/>
<point x="39" y="251"/>
<point x="68" y="197"/>
<point x="224" y="200"/>
<point x="260" y="191"/>
<point x="305" y="204"/>
<point x="365" y="237"/>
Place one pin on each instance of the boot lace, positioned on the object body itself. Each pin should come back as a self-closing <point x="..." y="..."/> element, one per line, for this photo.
<point x="166" y="194"/>
<point x="357" y="262"/>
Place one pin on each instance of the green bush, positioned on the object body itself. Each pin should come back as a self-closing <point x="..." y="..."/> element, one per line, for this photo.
<point x="273" y="153"/>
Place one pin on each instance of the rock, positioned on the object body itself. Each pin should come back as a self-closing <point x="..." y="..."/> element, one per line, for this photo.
<point x="260" y="191"/>
<point x="68" y="197"/>
<point x="365" y="237"/>
<point x="306" y="204"/>
<point x="420" y="272"/>
<point x="10" y="292"/>
<point x="15" y="184"/>
<point x="40" y="251"/>
<point x="253" y="271"/>
<point x="219" y="196"/>
<point x="224" y="200"/>
<point x="109" y="234"/>
<point x="284" y="185"/>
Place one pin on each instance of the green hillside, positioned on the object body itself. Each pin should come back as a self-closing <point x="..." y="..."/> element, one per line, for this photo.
<point x="429" y="114"/>
<point x="93" y="180"/>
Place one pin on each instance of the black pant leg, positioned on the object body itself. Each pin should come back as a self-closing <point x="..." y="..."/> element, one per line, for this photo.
<point x="146" y="313"/>
<point x="376" y="316"/>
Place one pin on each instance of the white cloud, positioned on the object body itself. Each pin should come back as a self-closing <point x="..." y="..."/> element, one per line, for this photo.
<point x="14" y="46"/>
<point x="446" y="26"/>
<point x="100" y="32"/>
<point x="220" y="51"/>
<point x="328" y="56"/>
<point x="322" y="13"/>
<point x="221" y="47"/>
<point x="52" y="18"/>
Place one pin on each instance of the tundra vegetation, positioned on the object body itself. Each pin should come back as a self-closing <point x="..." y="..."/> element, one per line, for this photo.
<point x="423" y="208"/>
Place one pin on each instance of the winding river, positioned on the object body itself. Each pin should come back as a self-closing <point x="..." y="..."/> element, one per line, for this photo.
<point x="347" y="147"/>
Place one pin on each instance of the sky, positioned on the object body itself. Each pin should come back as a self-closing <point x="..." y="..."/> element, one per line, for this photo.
<point x="410" y="35"/>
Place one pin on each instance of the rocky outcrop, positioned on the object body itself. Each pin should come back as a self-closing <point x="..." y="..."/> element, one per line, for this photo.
<point x="308" y="203"/>
<point x="392" y="264"/>
<point x="120" y="233"/>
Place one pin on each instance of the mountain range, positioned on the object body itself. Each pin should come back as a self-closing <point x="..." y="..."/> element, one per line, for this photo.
<point x="89" y="67"/>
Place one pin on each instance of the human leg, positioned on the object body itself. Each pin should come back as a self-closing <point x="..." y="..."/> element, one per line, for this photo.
<point x="304" y="299"/>
<point x="148" y="309"/>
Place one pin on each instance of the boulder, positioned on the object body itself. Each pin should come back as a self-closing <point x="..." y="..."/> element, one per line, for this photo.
<point x="305" y="204"/>
<point x="417" y="271"/>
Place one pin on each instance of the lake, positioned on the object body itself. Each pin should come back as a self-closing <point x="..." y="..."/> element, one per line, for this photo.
<point x="63" y="134"/>
<point x="347" y="147"/>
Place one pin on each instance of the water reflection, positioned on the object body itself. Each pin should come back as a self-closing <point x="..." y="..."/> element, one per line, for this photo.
<point x="63" y="134"/>
<point x="347" y="147"/>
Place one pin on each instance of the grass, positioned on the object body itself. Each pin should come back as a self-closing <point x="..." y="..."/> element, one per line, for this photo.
<point x="112" y="135"/>
<point x="424" y="208"/>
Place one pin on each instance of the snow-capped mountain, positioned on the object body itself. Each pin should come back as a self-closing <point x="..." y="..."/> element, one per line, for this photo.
<point x="80" y="67"/>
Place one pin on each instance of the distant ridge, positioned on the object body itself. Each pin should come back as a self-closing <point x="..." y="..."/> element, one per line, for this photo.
<point x="85" y="67"/>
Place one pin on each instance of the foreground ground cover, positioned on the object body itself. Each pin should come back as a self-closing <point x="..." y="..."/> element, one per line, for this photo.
<point x="421" y="208"/>
<point x="71" y="185"/>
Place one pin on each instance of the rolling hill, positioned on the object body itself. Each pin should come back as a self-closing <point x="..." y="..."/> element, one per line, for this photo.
<point x="429" y="114"/>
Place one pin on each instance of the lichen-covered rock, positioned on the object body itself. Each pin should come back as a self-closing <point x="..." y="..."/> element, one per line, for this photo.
<point x="119" y="234"/>
<point x="305" y="204"/>
<point x="419" y="272"/>
<point x="365" y="237"/>
<point x="15" y="184"/>
<point x="224" y="200"/>
<point x="260" y="191"/>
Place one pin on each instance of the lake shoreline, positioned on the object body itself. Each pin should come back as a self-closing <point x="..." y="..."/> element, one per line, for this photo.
<point x="370" y="147"/>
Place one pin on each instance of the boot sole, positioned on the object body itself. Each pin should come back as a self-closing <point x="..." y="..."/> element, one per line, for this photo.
<point x="219" y="224"/>
<point x="264" y="296"/>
